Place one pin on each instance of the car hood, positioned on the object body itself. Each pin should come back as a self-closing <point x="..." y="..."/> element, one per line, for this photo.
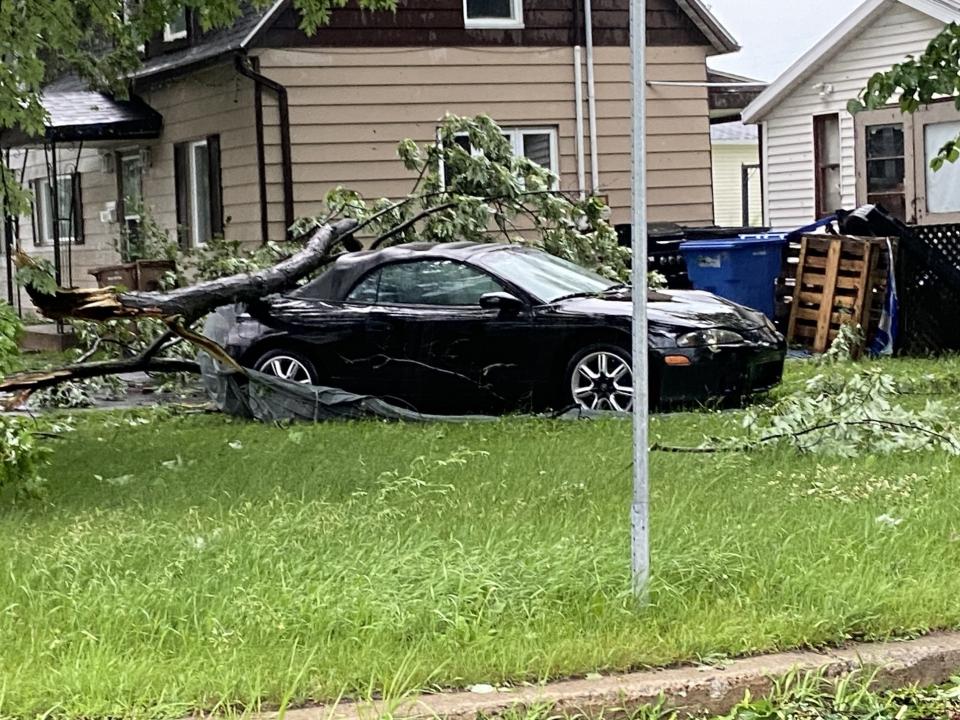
<point x="691" y="309"/>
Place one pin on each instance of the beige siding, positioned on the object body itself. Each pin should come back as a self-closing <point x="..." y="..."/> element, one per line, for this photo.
<point x="728" y="161"/>
<point x="889" y="38"/>
<point x="212" y="101"/>
<point x="350" y="107"/>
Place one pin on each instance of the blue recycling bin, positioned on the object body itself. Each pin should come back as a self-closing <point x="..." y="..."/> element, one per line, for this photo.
<point x="743" y="269"/>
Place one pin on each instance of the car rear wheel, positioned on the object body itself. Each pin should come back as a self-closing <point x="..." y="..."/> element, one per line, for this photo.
<point x="287" y="365"/>
<point x="600" y="377"/>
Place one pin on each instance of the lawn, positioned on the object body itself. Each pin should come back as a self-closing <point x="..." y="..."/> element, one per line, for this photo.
<point x="184" y="562"/>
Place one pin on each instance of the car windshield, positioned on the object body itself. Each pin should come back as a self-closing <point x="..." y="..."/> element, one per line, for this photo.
<point x="544" y="276"/>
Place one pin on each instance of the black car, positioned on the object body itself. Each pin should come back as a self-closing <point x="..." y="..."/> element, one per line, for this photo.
<point x="467" y="327"/>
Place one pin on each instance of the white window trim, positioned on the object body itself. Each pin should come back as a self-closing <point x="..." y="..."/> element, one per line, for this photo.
<point x="169" y="36"/>
<point x="195" y="239"/>
<point x="515" y="136"/>
<point x="513" y="22"/>
<point x="44" y="208"/>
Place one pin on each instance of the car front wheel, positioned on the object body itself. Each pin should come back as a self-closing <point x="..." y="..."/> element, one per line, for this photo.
<point x="600" y="377"/>
<point x="287" y="365"/>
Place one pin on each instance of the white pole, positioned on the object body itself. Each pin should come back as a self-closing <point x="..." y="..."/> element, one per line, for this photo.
<point x="591" y="99"/>
<point x="639" y="512"/>
<point x="578" y="99"/>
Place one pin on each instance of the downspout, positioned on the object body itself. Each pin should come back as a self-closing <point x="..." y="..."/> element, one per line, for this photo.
<point x="243" y="65"/>
<point x="578" y="98"/>
<point x="591" y="98"/>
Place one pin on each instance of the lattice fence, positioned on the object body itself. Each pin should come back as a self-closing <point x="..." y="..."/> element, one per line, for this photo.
<point x="928" y="277"/>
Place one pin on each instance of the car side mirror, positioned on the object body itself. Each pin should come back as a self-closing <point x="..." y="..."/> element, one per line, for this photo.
<point x="502" y="301"/>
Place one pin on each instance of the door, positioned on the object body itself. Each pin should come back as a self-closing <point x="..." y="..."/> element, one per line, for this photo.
<point x="885" y="162"/>
<point x="442" y="352"/>
<point x="130" y="202"/>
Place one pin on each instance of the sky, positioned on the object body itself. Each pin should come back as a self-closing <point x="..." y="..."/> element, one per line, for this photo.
<point x="775" y="33"/>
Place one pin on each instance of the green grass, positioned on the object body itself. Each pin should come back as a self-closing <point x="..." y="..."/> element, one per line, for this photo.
<point x="191" y="562"/>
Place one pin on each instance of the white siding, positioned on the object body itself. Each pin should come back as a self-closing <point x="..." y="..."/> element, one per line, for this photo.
<point x="728" y="161"/>
<point x="788" y="142"/>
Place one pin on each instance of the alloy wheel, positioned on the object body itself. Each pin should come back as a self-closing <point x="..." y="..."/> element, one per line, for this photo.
<point x="287" y="368"/>
<point x="603" y="380"/>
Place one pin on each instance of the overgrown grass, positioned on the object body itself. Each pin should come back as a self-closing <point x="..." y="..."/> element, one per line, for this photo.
<point x="194" y="562"/>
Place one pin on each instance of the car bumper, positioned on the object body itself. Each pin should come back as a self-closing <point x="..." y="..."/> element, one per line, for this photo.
<point x="726" y="372"/>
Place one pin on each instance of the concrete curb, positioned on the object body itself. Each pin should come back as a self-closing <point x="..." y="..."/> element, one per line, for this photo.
<point x="930" y="660"/>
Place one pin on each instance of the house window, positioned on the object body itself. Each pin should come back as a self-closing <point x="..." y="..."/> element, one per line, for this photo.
<point x="68" y="209"/>
<point x="826" y="141"/>
<point x="537" y="144"/>
<point x="493" y="13"/>
<point x="131" y="188"/>
<point x="943" y="185"/>
<point x="199" y="194"/>
<point x="886" y="168"/>
<point x="176" y="29"/>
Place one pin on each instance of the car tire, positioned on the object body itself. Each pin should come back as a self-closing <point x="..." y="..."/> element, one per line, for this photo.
<point x="289" y="365"/>
<point x="598" y="378"/>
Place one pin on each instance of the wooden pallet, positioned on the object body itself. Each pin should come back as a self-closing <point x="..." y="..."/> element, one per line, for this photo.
<point x="839" y="280"/>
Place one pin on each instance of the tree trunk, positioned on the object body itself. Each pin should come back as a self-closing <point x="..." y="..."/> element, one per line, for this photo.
<point x="193" y="302"/>
<point x="178" y="308"/>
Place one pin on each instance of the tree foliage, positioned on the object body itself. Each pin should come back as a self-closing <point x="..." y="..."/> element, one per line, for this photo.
<point x="918" y="81"/>
<point x="470" y="186"/>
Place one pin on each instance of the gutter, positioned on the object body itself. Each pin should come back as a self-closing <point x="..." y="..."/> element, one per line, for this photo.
<point x="244" y="66"/>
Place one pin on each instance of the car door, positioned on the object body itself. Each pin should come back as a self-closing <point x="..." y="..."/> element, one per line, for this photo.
<point x="445" y="353"/>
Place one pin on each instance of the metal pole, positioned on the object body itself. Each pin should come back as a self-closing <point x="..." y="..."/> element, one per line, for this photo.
<point x="578" y="99"/>
<point x="591" y="99"/>
<point x="639" y="512"/>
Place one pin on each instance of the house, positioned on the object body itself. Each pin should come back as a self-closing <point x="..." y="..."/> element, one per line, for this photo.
<point x="240" y="131"/>
<point x="737" y="200"/>
<point x="818" y="158"/>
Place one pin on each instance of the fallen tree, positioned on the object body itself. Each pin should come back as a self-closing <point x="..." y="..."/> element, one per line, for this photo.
<point x="179" y="309"/>
<point x="478" y="194"/>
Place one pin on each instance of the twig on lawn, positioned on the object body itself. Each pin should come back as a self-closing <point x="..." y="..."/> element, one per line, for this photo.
<point x="798" y="434"/>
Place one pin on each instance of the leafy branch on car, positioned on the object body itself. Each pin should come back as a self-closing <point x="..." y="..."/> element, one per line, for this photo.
<point x="468" y="185"/>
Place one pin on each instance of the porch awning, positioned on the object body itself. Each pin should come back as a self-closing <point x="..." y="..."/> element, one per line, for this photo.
<point x="89" y="116"/>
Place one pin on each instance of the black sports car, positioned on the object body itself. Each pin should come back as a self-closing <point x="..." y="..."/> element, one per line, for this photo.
<point x="467" y="327"/>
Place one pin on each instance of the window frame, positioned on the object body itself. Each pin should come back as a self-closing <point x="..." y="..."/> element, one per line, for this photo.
<point x="504" y="287"/>
<point x="195" y="240"/>
<point x="169" y="36"/>
<point x="515" y="136"/>
<point x="820" y="167"/>
<point x="43" y="207"/>
<point x="514" y="22"/>
<point x="886" y="116"/>
<point x="185" y="190"/>
<point x="933" y="114"/>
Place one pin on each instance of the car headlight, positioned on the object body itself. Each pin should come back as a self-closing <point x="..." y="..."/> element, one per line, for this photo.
<point x="711" y="338"/>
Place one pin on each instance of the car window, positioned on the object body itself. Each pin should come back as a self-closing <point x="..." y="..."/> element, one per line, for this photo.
<point x="543" y="276"/>
<point x="366" y="290"/>
<point x="424" y="282"/>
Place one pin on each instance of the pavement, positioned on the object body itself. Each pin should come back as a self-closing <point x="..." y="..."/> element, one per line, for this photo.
<point x="694" y="691"/>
